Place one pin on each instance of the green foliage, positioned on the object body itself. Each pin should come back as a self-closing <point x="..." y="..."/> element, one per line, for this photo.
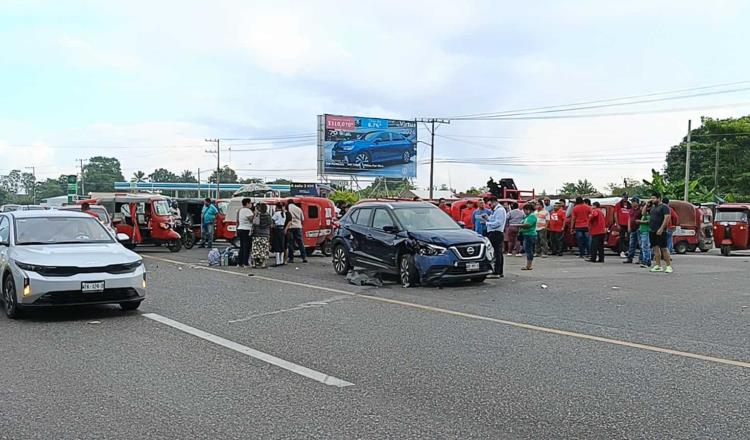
<point x="138" y="177"/>
<point x="163" y="175"/>
<point x="51" y="188"/>
<point x="101" y="173"/>
<point x="732" y="138"/>
<point x="473" y="191"/>
<point x="228" y="175"/>
<point x="348" y="197"/>
<point x="187" y="176"/>
<point x="633" y="187"/>
<point x="582" y="188"/>
<point x="383" y="187"/>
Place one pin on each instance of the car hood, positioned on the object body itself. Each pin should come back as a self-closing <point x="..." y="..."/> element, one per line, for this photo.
<point x="80" y="255"/>
<point x="447" y="237"/>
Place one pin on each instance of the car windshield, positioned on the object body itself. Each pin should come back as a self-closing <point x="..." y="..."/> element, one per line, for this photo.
<point x="162" y="207"/>
<point x="60" y="230"/>
<point x="731" y="216"/>
<point x="424" y="219"/>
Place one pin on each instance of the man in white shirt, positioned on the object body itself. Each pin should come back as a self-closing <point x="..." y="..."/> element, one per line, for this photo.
<point x="296" y="232"/>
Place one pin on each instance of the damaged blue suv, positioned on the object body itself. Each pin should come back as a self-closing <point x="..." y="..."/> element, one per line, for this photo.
<point x="414" y="240"/>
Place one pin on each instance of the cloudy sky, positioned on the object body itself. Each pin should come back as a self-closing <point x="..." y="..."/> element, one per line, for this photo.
<point x="147" y="81"/>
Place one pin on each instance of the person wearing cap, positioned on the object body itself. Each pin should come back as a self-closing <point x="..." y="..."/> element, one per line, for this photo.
<point x="622" y="213"/>
<point x="633" y="229"/>
<point x="495" y="232"/>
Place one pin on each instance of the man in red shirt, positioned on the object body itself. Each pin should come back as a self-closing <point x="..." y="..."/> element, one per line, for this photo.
<point x="467" y="216"/>
<point x="444" y="206"/>
<point x="598" y="231"/>
<point x="635" y="215"/>
<point x="622" y="212"/>
<point x="579" y="223"/>
<point x="555" y="228"/>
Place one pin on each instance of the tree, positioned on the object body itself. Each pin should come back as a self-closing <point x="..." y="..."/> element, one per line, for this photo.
<point x="52" y="188"/>
<point x="28" y="183"/>
<point x="101" y="173"/>
<point x="348" y="197"/>
<point x="138" y="177"/>
<point x="582" y="188"/>
<point x="385" y="186"/>
<point x="163" y="175"/>
<point x="11" y="182"/>
<point x="281" y="182"/>
<point x="473" y="191"/>
<point x="631" y="186"/>
<point x="228" y="175"/>
<point x="187" y="176"/>
<point x="732" y="139"/>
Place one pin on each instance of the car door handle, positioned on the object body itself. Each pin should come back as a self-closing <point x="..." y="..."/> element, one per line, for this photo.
<point x="370" y="237"/>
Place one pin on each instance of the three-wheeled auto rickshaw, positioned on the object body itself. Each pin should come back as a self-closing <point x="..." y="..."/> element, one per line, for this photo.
<point x="145" y="218"/>
<point x="731" y="227"/>
<point x="690" y="234"/>
<point x="317" y="226"/>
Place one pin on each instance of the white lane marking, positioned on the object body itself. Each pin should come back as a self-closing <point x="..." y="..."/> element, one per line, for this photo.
<point x="554" y="331"/>
<point x="307" y="305"/>
<point x="273" y="360"/>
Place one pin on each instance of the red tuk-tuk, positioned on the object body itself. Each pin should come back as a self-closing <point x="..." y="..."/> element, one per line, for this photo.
<point x="731" y="227"/>
<point x="225" y="229"/>
<point x="145" y="218"/>
<point x="691" y="232"/>
<point x="318" y="225"/>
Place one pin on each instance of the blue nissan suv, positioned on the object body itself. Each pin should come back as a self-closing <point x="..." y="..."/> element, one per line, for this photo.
<point x="414" y="240"/>
<point x="375" y="147"/>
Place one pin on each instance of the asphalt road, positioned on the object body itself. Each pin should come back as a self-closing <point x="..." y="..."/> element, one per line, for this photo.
<point x="569" y="350"/>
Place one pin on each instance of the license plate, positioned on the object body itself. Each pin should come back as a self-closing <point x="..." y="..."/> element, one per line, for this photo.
<point x="472" y="267"/>
<point x="92" y="287"/>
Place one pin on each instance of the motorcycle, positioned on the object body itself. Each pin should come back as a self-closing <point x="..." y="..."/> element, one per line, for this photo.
<point x="187" y="234"/>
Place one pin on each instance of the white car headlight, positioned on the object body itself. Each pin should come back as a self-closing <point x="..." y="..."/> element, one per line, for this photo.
<point x="430" y="250"/>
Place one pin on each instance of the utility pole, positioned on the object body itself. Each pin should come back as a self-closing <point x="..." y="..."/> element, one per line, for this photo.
<point x="83" y="187"/>
<point x="33" y="173"/>
<point x="716" y="171"/>
<point x="687" y="164"/>
<point x="218" y="163"/>
<point x="432" y="122"/>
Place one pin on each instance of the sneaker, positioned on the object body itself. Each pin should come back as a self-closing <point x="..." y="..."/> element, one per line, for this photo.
<point x="644" y="265"/>
<point x="668" y="269"/>
<point x="656" y="269"/>
<point x="623" y="255"/>
<point x="628" y="261"/>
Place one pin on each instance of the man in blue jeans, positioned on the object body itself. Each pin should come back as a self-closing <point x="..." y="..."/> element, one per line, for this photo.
<point x="635" y="215"/>
<point x="208" y="223"/>
<point x="295" y="232"/>
<point x="579" y="222"/>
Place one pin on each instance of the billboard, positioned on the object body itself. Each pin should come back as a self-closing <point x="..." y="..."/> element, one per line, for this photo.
<point x="367" y="147"/>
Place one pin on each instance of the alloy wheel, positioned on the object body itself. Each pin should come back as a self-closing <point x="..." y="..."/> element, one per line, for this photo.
<point x="339" y="260"/>
<point x="404" y="272"/>
<point x="362" y="159"/>
<point x="9" y="300"/>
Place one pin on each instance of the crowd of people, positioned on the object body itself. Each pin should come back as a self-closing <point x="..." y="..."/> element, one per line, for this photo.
<point x="259" y="231"/>
<point x="537" y="229"/>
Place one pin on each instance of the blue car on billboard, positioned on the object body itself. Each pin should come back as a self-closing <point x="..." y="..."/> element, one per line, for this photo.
<point x="375" y="147"/>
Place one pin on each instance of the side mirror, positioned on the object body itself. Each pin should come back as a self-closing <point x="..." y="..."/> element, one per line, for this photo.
<point x="390" y="229"/>
<point x="122" y="237"/>
<point x="462" y="224"/>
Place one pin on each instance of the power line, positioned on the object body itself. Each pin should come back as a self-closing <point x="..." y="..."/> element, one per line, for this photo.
<point x="597" y="115"/>
<point x="604" y="100"/>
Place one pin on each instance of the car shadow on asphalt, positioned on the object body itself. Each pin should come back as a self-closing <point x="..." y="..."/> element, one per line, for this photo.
<point x="76" y="313"/>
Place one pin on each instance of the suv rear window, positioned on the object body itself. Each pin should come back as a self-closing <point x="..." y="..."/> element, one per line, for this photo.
<point x="362" y="216"/>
